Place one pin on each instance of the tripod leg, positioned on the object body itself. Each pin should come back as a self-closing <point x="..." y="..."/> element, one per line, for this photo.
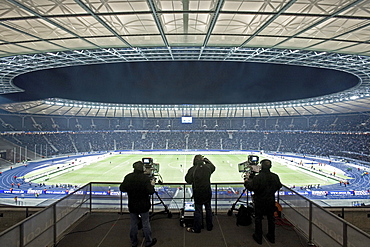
<point x="230" y="212"/>
<point x="166" y="210"/>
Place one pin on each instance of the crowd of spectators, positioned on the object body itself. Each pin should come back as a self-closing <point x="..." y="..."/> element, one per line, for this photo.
<point x="353" y="122"/>
<point x="325" y="144"/>
<point x="334" y="135"/>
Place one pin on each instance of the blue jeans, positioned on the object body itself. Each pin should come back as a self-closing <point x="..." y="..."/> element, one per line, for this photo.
<point x="198" y="216"/>
<point x="134" y="222"/>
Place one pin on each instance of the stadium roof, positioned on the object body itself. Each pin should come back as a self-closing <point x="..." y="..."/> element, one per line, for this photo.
<point x="333" y="34"/>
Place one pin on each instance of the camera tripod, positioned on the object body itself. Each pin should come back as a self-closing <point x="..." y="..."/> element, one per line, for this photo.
<point x="230" y="211"/>
<point x="166" y="210"/>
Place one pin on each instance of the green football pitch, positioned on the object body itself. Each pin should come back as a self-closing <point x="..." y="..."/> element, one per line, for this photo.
<point x="172" y="168"/>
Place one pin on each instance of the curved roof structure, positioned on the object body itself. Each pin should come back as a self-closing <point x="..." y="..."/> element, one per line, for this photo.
<point x="333" y="34"/>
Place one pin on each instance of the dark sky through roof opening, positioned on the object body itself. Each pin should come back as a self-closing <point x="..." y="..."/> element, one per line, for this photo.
<point x="182" y="83"/>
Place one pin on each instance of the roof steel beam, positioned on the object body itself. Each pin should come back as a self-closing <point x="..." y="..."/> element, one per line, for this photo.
<point x="88" y="10"/>
<point x="51" y="22"/>
<point x="321" y="21"/>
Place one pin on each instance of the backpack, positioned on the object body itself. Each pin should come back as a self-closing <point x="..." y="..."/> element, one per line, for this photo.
<point x="244" y="216"/>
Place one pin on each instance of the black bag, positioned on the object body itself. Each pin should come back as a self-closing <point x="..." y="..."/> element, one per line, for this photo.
<point x="244" y="216"/>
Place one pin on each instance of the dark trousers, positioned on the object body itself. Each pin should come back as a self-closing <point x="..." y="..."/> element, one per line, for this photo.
<point x="259" y="212"/>
<point x="198" y="216"/>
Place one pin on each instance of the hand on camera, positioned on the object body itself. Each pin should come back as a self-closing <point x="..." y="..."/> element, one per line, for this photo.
<point x="152" y="181"/>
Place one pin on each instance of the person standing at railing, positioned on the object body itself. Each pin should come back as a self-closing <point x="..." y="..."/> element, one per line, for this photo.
<point x="199" y="176"/>
<point x="264" y="185"/>
<point x="139" y="187"/>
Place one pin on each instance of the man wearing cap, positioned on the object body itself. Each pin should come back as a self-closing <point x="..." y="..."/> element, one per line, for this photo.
<point x="139" y="187"/>
<point x="264" y="185"/>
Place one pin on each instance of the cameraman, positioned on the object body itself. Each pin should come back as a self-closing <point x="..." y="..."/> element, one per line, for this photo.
<point x="199" y="176"/>
<point x="139" y="187"/>
<point x="264" y="185"/>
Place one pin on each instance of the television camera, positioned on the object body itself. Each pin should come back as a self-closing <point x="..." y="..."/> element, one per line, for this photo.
<point x="151" y="169"/>
<point x="250" y="167"/>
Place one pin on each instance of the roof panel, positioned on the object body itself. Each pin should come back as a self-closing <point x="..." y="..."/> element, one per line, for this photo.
<point x="314" y="110"/>
<point x="118" y="113"/>
<point x="362" y="9"/>
<point x="363" y="105"/>
<point x="126" y="113"/>
<point x="254" y="5"/>
<point x="326" y="7"/>
<point x="198" y="23"/>
<point x="39" y="108"/>
<point x="255" y="113"/>
<point x="60" y="110"/>
<point x="331" y="110"/>
<point x="172" y="113"/>
<point x="45" y="7"/>
<point x="273" y="112"/>
<point x="132" y="24"/>
<point x="179" y="40"/>
<point x="239" y="23"/>
<point x="332" y="45"/>
<point x="74" y="44"/>
<point x="102" y="112"/>
<point x="48" y="110"/>
<point x="12" y="49"/>
<point x="107" y="41"/>
<point x="75" y="110"/>
<point x="360" y="34"/>
<point x="170" y="5"/>
<point x="200" y="4"/>
<point x="357" y="49"/>
<point x="194" y="23"/>
<point x="38" y="27"/>
<point x="153" y="113"/>
<point x="144" y="40"/>
<point x="118" y="6"/>
<point x="7" y="33"/>
<point x="223" y="113"/>
<point x="92" y="112"/>
<point x="264" y="112"/>
<point x="239" y="113"/>
<point x="41" y="46"/>
<point x="9" y="10"/>
<point x="226" y="40"/>
<point x="302" y="110"/>
<point x="267" y="41"/>
<point x="289" y="25"/>
<point x="208" y="113"/>
<point x="84" y="27"/>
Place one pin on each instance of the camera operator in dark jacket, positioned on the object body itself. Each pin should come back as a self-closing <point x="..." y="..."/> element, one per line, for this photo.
<point x="139" y="187"/>
<point x="199" y="176"/>
<point x="264" y="185"/>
